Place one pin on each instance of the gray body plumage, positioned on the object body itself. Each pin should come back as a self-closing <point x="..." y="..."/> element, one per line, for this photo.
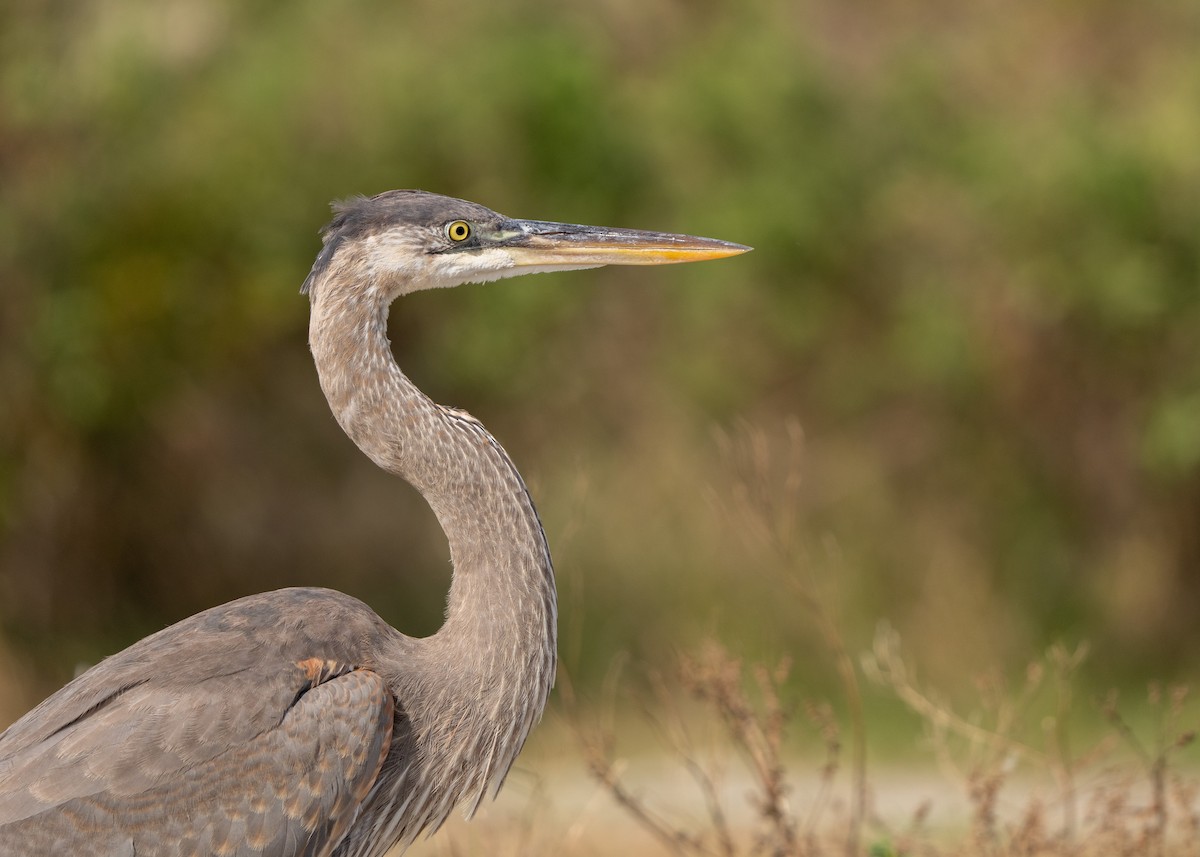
<point x="298" y="722"/>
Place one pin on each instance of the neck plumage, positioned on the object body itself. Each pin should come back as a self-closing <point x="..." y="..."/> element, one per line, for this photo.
<point x="475" y="688"/>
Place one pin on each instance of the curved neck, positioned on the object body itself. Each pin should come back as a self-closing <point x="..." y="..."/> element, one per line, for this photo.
<point x="493" y="660"/>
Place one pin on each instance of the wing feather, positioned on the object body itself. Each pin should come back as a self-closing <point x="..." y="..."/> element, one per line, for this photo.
<point x="157" y="771"/>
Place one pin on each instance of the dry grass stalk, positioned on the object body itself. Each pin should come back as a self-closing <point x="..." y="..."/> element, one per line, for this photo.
<point x="754" y="722"/>
<point x="764" y="497"/>
<point x="1099" y="806"/>
<point x="1115" y="821"/>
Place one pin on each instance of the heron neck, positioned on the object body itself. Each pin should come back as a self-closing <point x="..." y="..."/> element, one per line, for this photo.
<point x="496" y="649"/>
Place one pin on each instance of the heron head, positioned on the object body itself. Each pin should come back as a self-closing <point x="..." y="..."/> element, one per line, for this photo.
<point x="407" y="240"/>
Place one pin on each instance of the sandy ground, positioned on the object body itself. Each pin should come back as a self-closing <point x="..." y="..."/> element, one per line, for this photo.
<point x="551" y="806"/>
<point x="558" y="809"/>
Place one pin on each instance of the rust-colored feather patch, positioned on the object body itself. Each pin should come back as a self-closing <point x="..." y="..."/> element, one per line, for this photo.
<point x="320" y="670"/>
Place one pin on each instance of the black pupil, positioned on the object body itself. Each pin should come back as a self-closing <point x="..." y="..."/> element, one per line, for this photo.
<point x="458" y="231"/>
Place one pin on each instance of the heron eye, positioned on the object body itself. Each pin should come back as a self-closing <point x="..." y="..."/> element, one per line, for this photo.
<point x="459" y="230"/>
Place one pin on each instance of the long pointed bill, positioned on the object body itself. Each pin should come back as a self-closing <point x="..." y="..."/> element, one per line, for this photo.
<point x="544" y="244"/>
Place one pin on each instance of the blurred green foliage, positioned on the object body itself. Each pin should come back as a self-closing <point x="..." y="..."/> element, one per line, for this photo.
<point x="976" y="286"/>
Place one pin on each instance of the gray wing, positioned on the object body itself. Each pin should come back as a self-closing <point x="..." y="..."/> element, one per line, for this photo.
<point x="123" y="783"/>
<point x="207" y="738"/>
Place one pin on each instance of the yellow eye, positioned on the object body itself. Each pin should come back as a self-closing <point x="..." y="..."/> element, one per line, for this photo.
<point x="459" y="230"/>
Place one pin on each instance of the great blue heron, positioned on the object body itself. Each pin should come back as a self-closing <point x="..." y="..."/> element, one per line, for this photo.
<point x="297" y="721"/>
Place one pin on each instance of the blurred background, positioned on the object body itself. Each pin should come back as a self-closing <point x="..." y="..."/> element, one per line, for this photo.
<point x="961" y="368"/>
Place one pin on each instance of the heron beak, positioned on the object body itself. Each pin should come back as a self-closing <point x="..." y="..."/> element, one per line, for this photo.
<point x="540" y="244"/>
